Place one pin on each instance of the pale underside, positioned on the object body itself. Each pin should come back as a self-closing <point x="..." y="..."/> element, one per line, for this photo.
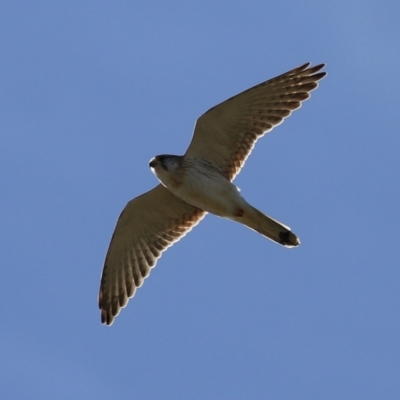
<point x="223" y="136"/>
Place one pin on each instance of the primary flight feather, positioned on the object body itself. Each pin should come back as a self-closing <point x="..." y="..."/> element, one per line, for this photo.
<point x="199" y="182"/>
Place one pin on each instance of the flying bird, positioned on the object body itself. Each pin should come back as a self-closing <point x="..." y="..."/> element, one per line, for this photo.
<point x="200" y="182"/>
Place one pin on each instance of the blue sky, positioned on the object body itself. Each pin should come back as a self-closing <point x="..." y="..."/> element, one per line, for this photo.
<point x="90" y="91"/>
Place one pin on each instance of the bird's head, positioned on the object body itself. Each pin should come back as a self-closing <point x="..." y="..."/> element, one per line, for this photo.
<point x="164" y="166"/>
<point x="165" y="161"/>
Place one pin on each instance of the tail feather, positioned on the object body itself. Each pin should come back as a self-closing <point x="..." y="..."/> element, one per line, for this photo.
<point x="269" y="227"/>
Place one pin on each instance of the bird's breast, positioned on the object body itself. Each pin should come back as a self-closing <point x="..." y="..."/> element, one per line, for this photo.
<point x="204" y="187"/>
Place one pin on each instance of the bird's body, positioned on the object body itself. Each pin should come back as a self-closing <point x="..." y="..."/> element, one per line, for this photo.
<point x="200" y="182"/>
<point x="201" y="185"/>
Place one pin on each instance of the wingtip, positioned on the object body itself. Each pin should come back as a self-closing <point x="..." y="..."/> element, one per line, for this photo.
<point x="300" y="68"/>
<point x="106" y="318"/>
<point x="315" y="69"/>
<point x="306" y="70"/>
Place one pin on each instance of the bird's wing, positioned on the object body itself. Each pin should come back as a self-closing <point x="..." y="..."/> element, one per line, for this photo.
<point x="226" y="134"/>
<point x="147" y="226"/>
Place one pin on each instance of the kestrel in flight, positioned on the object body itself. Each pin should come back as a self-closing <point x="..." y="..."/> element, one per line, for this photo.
<point x="200" y="182"/>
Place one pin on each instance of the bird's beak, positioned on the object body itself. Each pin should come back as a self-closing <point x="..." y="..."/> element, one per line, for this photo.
<point x="153" y="162"/>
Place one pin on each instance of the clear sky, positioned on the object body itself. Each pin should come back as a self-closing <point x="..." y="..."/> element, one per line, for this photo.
<point x="89" y="92"/>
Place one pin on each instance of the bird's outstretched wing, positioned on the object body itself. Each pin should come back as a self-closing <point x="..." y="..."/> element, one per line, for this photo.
<point x="147" y="226"/>
<point x="226" y="134"/>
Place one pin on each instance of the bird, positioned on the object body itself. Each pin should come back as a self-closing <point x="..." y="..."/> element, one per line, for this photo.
<point x="200" y="182"/>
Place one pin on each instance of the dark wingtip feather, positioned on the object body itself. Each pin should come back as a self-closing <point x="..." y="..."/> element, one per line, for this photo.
<point x="106" y="318"/>
<point x="316" y="68"/>
<point x="303" y="70"/>
<point x="319" y="76"/>
<point x="301" y="67"/>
